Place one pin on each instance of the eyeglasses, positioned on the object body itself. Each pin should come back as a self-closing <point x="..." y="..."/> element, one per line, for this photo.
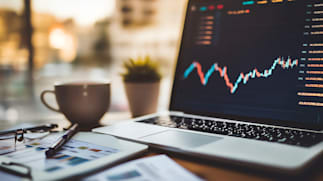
<point x="10" y="138"/>
<point x="26" y="173"/>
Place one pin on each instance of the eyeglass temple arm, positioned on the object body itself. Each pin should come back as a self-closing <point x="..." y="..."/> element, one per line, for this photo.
<point x="45" y="127"/>
<point x="15" y="172"/>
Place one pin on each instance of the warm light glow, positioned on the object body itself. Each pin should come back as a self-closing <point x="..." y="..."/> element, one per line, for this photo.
<point x="85" y="12"/>
<point x="64" y="42"/>
<point x="10" y="4"/>
<point x="57" y="38"/>
<point x="68" y="54"/>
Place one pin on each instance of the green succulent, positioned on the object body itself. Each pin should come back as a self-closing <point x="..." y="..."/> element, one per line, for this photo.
<point x="141" y="70"/>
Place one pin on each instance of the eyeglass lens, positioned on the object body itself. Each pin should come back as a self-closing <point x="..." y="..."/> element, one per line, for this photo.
<point x="7" y="143"/>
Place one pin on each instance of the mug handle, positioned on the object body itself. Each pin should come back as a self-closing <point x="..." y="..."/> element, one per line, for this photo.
<point x="42" y="98"/>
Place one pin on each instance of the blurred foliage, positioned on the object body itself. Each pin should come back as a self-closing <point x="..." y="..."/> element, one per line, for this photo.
<point x="141" y="70"/>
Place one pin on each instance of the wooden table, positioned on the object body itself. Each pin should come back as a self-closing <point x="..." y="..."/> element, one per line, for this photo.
<point x="224" y="171"/>
<point x="210" y="170"/>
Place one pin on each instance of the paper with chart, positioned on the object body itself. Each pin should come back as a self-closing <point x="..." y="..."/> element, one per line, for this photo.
<point x="156" y="168"/>
<point x="73" y="153"/>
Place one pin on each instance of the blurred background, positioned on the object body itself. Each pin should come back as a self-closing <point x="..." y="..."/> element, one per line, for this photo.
<point x="48" y="41"/>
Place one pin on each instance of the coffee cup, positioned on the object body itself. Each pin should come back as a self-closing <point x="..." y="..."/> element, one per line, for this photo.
<point x="84" y="103"/>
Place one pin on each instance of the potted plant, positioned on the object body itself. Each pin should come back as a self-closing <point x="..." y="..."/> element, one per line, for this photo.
<point x="142" y="81"/>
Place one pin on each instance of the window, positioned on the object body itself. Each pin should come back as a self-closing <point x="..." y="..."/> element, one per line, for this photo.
<point x="79" y="40"/>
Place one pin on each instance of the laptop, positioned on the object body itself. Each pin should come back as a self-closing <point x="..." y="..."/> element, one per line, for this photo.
<point x="248" y="86"/>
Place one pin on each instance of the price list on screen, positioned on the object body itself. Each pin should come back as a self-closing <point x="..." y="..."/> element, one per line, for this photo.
<point x="311" y="63"/>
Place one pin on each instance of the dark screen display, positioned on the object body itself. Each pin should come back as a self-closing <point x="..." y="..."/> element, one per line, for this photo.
<point x="252" y="60"/>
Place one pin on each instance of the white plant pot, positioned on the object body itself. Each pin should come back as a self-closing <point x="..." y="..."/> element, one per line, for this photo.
<point x="142" y="97"/>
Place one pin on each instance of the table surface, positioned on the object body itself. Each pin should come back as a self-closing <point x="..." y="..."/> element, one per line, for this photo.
<point x="224" y="171"/>
<point x="204" y="168"/>
<point x="220" y="171"/>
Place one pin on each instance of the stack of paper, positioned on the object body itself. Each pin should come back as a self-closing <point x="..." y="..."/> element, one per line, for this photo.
<point x="156" y="168"/>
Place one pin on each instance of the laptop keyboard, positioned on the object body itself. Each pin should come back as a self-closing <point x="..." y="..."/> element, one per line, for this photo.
<point x="264" y="133"/>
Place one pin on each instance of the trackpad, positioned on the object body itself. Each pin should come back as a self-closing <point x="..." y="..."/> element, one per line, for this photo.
<point x="180" y="139"/>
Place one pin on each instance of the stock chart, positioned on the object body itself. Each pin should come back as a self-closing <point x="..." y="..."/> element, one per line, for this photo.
<point x="252" y="58"/>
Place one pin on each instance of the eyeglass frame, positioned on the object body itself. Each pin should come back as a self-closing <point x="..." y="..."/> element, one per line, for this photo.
<point x="22" y="131"/>
<point x="17" y="173"/>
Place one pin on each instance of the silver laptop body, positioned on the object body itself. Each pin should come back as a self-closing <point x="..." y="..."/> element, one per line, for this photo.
<point x="250" y="65"/>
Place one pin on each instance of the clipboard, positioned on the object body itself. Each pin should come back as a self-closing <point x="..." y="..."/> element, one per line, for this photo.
<point x="84" y="153"/>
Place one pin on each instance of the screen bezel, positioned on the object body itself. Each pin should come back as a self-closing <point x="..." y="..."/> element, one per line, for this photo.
<point x="172" y="107"/>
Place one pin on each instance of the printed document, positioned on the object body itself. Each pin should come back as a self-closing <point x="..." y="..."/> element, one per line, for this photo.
<point x="157" y="168"/>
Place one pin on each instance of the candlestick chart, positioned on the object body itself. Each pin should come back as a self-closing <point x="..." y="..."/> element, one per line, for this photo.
<point x="243" y="77"/>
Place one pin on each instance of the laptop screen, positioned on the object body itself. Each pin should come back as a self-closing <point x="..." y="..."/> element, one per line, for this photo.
<point x="252" y="60"/>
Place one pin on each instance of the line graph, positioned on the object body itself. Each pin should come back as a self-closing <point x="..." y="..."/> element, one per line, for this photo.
<point x="243" y="77"/>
